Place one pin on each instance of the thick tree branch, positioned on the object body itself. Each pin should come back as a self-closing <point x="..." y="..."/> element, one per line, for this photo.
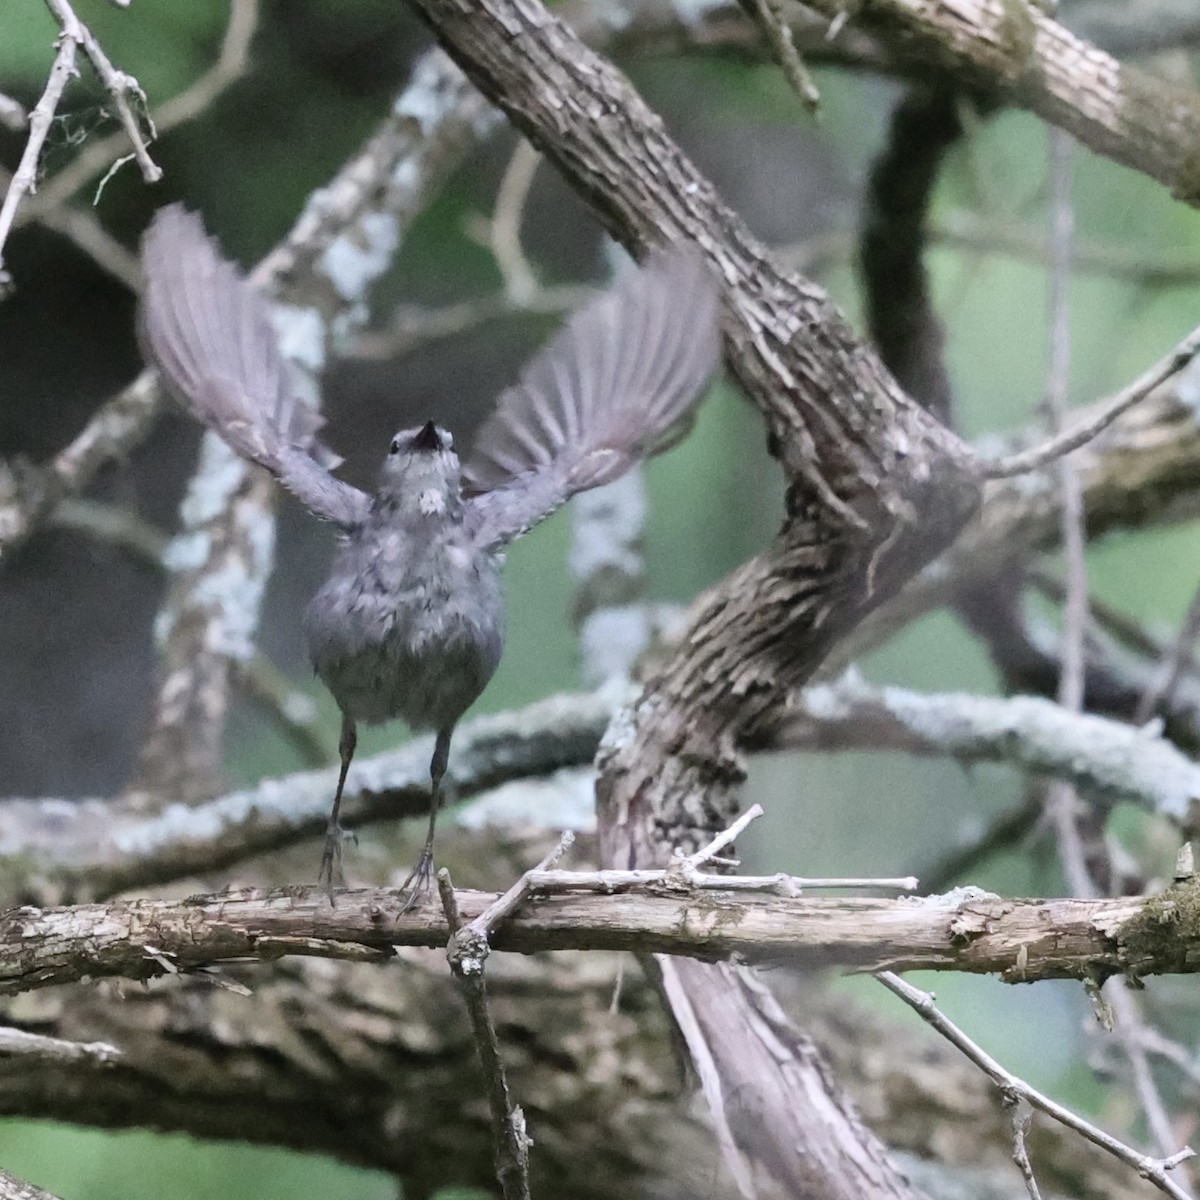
<point x="56" y="850"/>
<point x="312" y="1040"/>
<point x="1139" y="472"/>
<point x="964" y="930"/>
<point x="1119" y="111"/>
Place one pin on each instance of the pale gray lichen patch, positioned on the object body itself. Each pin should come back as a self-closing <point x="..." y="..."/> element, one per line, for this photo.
<point x="613" y="638"/>
<point x="1112" y="761"/>
<point x="607" y="525"/>
<point x="188" y="550"/>
<point x="301" y="330"/>
<point x="430" y="93"/>
<point x="218" y="476"/>
<point x="359" y="256"/>
<point x="564" y="800"/>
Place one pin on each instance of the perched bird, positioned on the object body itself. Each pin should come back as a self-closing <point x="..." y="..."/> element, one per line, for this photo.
<point x="410" y="622"/>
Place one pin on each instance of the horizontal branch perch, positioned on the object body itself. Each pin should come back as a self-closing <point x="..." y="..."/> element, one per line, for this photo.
<point x="53" y="850"/>
<point x="965" y="930"/>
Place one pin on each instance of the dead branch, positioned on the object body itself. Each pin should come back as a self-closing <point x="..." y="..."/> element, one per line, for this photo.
<point x="964" y="930"/>
<point x="1154" y="1169"/>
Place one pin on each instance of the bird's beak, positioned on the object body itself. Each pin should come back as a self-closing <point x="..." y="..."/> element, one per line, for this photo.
<point x="427" y="438"/>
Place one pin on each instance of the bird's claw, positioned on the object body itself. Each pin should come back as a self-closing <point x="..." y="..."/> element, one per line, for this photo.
<point x="331" y="875"/>
<point x="419" y="882"/>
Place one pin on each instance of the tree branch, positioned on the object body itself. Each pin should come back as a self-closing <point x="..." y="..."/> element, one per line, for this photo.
<point x="12" y="1188"/>
<point x="1113" y="761"/>
<point x="57" y="850"/>
<point x="965" y="930"/>
<point x="1118" y="111"/>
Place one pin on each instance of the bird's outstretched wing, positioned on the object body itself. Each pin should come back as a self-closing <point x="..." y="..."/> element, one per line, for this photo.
<point x="209" y="334"/>
<point x="615" y="385"/>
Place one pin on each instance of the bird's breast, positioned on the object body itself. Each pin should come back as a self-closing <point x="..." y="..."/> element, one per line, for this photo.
<point x="407" y="629"/>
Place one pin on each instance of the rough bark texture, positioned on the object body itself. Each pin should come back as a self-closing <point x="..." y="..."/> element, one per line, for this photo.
<point x="1119" y="111"/>
<point x="376" y="1067"/>
<point x="875" y="488"/>
<point x="1140" y="471"/>
<point x="964" y="930"/>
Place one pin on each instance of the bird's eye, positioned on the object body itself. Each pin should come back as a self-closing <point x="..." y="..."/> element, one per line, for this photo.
<point x="395" y="446"/>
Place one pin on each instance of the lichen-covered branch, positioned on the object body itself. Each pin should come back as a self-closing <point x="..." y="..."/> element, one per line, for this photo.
<point x="1111" y="761"/>
<point x="56" y="850"/>
<point x="12" y="1188"/>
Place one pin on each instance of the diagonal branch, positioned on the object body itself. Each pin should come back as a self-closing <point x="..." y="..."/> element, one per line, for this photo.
<point x="98" y="848"/>
<point x="12" y="1188"/>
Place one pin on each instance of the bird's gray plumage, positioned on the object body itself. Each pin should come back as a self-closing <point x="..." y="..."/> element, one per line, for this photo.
<point x="211" y="337"/>
<point x="409" y="623"/>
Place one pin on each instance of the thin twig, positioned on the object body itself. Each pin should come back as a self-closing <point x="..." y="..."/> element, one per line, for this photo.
<point x="1106" y="617"/>
<point x="1175" y="663"/>
<point x="1128" y="1022"/>
<point x="83" y="228"/>
<point x="1021" y="1117"/>
<point x="20" y="1041"/>
<point x="1154" y="1169"/>
<point x="123" y="88"/>
<point x="725" y="838"/>
<point x="779" y="34"/>
<point x="1063" y="443"/>
<point x="1061" y="802"/>
<point x="520" y="283"/>
<point x="1062" y="805"/>
<point x="483" y="924"/>
<point x="1182" y="1059"/>
<point x="97" y="155"/>
<point x="467" y="951"/>
<point x="610" y="881"/>
<point x="25" y="176"/>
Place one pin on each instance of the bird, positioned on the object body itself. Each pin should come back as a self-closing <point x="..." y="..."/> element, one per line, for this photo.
<point x="409" y="623"/>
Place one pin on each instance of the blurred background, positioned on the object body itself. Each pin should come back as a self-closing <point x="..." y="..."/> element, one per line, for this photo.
<point x="76" y="611"/>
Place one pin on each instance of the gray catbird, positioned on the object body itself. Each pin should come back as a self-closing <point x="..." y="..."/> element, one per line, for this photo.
<point x="410" y="622"/>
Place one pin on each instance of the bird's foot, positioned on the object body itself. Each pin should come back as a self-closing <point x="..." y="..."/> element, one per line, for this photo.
<point x="419" y="882"/>
<point x="331" y="875"/>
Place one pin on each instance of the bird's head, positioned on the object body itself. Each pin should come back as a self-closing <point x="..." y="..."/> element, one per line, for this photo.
<point x="422" y="468"/>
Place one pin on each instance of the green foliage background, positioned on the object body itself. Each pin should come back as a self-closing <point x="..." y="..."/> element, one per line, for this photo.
<point x="714" y="501"/>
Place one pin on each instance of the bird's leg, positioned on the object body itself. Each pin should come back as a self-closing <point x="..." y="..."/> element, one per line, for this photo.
<point x="418" y="882"/>
<point x="331" y="860"/>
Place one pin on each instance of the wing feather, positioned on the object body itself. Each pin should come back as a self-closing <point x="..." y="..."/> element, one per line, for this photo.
<point x="615" y="385"/>
<point x="209" y="333"/>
